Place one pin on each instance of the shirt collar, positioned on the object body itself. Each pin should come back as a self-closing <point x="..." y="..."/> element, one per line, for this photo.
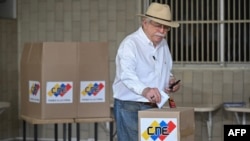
<point x="145" y="38"/>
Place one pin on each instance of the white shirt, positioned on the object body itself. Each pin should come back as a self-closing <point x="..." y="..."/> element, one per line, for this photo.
<point x="139" y="65"/>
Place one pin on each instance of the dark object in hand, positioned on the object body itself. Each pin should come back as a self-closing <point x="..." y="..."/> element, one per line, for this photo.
<point x="175" y="83"/>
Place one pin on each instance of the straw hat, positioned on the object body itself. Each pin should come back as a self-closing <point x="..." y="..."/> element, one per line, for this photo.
<point x="160" y="13"/>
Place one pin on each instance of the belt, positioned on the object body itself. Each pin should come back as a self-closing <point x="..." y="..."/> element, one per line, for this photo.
<point x="154" y="105"/>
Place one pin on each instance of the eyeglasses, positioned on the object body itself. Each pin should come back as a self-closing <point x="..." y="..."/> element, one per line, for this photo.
<point x="159" y="26"/>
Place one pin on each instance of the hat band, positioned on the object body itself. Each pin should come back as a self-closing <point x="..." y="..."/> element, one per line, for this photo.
<point x="157" y="18"/>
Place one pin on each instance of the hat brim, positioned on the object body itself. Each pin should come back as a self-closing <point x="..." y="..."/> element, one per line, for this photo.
<point x="171" y="24"/>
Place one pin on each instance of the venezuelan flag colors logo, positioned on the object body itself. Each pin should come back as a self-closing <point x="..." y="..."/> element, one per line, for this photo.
<point x="92" y="91"/>
<point x="34" y="91"/>
<point x="158" y="129"/>
<point x="35" y="88"/>
<point x="59" y="92"/>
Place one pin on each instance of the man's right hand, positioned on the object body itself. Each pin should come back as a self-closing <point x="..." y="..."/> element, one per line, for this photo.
<point x="152" y="94"/>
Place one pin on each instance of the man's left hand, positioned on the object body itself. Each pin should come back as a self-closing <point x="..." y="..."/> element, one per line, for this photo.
<point x="175" y="88"/>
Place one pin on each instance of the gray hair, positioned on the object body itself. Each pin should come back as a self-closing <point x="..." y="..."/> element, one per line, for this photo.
<point x="146" y="19"/>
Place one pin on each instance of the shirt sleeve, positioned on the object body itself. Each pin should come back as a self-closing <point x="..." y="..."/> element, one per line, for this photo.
<point x="127" y="61"/>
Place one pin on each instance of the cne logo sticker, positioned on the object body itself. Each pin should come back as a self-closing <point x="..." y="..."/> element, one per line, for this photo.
<point x="59" y="92"/>
<point x="34" y="91"/>
<point x="92" y="91"/>
<point x="158" y="129"/>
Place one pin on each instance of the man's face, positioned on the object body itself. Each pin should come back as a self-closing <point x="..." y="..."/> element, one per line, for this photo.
<point x="155" y="31"/>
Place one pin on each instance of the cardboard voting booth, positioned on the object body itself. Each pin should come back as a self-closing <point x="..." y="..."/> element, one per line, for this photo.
<point x="94" y="100"/>
<point x="64" y="80"/>
<point x="166" y="124"/>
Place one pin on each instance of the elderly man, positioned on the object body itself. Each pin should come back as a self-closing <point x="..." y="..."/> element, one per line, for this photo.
<point x="143" y="70"/>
